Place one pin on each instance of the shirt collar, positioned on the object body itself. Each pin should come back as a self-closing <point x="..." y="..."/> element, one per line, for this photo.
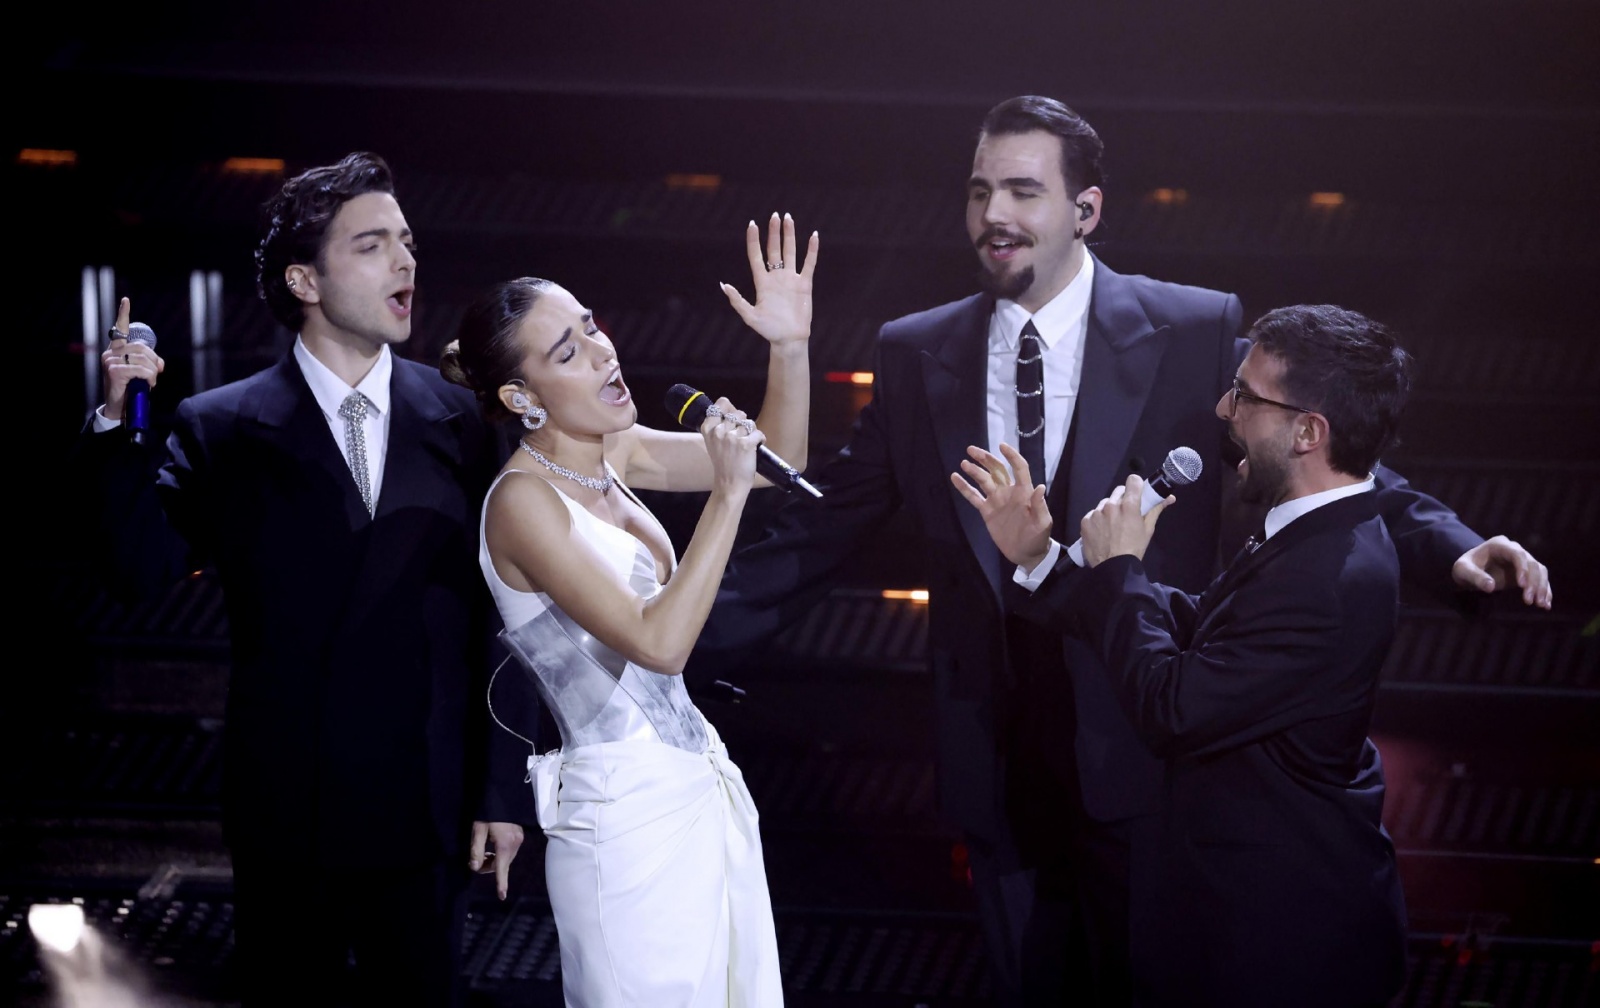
<point x="1058" y="317"/>
<point x="330" y="390"/>
<point x="1289" y="510"/>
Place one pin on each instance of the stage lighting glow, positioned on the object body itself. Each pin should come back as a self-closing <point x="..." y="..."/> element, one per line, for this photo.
<point x="57" y="926"/>
<point x="906" y="594"/>
<point x="849" y="377"/>
<point x="694" y="180"/>
<point x="1168" y="197"/>
<point x="253" y="165"/>
<point x="1326" y="200"/>
<point x="40" y="156"/>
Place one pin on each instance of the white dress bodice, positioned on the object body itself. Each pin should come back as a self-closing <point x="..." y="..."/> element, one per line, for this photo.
<point x="593" y="692"/>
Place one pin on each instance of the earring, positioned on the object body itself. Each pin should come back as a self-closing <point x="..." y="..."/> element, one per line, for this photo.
<point x="534" y="417"/>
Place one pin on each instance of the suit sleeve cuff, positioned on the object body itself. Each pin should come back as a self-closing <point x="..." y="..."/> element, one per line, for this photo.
<point x="1031" y="580"/>
<point x="101" y="424"/>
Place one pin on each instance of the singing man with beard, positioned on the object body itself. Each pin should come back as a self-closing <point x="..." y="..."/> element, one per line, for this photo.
<point x="1270" y="879"/>
<point x="1094" y="374"/>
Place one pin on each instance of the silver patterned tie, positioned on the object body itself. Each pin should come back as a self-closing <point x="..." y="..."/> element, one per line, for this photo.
<point x="354" y="411"/>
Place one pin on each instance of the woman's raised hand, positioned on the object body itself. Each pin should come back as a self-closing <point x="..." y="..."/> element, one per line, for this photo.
<point x="782" y="312"/>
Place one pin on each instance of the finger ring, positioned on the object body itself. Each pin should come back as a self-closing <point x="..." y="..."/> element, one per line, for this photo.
<point x="748" y="424"/>
<point x="713" y="410"/>
<point x="775" y="266"/>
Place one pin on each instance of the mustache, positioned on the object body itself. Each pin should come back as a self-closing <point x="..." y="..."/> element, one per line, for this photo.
<point x="990" y="234"/>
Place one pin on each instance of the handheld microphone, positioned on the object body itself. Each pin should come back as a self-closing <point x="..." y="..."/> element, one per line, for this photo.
<point x="689" y="406"/>
<point x="1180" y="468"/>
<point x="136" y="412"/>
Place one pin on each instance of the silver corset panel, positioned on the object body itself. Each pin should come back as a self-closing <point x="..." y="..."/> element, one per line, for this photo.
<point x="593" y="692"/>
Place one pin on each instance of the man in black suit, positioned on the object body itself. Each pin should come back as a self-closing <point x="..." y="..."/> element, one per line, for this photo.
<point x="336" y="494"/>
<point x="1273" y="881"/>
<point x="1038" y="768"/>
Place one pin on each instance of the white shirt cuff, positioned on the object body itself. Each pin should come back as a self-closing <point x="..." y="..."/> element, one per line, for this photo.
<point x="101" y="424"/>
<point x="1031" y="580"/>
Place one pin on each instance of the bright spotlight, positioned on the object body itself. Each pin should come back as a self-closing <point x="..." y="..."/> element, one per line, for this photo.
<point x="58" y="926"/>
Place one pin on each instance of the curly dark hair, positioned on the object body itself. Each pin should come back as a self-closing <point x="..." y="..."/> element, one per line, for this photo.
<point x="296" y="222"/>
<point x="486" y="353"/>
<point x="1345" y="366"/>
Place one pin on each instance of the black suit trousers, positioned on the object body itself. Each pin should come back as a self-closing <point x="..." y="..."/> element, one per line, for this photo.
<point x="324" y="937"/>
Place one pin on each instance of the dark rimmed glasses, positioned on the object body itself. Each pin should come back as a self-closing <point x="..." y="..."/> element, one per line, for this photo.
<point x="1236" y="393"/>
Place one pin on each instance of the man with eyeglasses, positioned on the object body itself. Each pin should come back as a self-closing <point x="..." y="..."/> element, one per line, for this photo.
<point x="1270" y="879"/>
<point x="1093" y="374"/>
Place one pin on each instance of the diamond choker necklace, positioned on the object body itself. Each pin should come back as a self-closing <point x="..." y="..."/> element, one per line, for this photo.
<point x="592" y="482"/>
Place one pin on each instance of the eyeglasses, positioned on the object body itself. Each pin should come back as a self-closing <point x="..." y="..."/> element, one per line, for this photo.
<point x="1238" y="393"/>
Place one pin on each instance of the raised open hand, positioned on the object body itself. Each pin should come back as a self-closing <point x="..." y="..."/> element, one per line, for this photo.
<point x="782" y="311"/>
<point x="1014" y="510"/>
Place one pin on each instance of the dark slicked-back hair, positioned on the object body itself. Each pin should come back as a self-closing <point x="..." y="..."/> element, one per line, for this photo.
<point x="297" y="219"/>
<point x="1081" y="149"/>
<point x="1346" y="367"/>
<point x="486" y="353"/>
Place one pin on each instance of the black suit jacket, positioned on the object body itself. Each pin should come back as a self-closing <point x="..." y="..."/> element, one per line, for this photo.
<point x="355" y="729"/>
<point x="1157" y="357"/>
<point x="1273" y="881"/>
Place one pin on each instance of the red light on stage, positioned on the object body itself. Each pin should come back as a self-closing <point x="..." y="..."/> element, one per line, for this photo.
<point x="960" y="863"/>
<point x="1168" y="197"/>
<point x="1326" y="200"/>
<point x="848" y="377"/>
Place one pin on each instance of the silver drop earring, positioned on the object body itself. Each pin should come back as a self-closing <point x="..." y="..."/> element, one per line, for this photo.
<point x="534" y="417"/>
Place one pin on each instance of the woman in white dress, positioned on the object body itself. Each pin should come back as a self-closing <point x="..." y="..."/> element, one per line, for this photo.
<point x="653" y="862"/>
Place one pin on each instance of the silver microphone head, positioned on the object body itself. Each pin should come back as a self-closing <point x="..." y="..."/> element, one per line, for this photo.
<point x="1181" y="466"/>
<point x="138" y="332"/>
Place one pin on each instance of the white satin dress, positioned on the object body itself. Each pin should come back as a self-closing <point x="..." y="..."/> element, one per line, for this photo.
<point x="653" y="862"/>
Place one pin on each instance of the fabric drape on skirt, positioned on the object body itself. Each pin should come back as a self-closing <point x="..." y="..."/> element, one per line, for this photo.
<point x="655" y="875"/>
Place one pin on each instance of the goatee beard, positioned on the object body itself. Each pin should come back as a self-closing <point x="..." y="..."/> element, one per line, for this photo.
<point x="1009" y="286"/>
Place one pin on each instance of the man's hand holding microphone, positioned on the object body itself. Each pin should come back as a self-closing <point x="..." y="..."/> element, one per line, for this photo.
<point x="130" y="366"/>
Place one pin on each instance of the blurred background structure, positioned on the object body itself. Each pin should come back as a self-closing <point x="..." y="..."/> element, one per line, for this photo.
<point x="1430" y="163"/>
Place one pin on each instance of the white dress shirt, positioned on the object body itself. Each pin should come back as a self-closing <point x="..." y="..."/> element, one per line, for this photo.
<point x="1063" y="325"/>
<point x="330" y="392"/>
<point x="1289" y="510"/>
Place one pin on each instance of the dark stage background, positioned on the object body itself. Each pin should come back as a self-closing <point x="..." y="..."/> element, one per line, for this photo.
<point x="1430" y="163"/>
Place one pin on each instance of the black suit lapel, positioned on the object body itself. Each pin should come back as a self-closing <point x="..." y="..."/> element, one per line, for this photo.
<point x="1345" y="512"/>
<point x="422" y="457"/>
<point x="287" y="416"/>
<point x="955" y="379"/>
<point x="1120" y="358"/>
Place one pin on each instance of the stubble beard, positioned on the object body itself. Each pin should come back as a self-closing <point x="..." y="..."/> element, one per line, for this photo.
<point x="1265" y="482"/>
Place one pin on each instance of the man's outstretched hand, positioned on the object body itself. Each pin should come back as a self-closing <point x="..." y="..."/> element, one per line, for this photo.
<point x="1497" y="564"/>
<point x="1013" y="511"/>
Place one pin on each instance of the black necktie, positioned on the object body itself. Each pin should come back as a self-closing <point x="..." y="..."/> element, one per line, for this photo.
<point x="1030" y="400"/>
